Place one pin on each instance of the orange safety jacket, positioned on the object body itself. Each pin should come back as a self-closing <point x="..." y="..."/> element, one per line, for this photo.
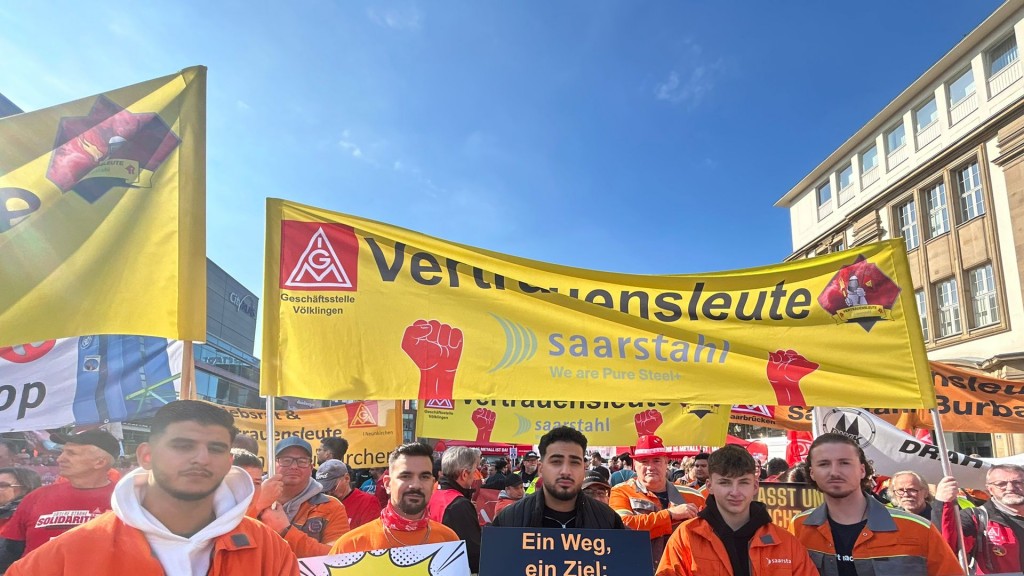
<point x="893" y="542"/>
<point x="106" y="546"/>
<point x="695" y="550"/>
<point x="640" y="509"/>
<point x="317" y="525"/>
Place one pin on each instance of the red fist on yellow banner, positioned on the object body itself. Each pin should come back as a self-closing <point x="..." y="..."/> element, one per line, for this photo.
<point x="785" y="369"/>
<point x="484" y="420"/>
<point x="647" y="422"/>
<point x="436" y="349"/>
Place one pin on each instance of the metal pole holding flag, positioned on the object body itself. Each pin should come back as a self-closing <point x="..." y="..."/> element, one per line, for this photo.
<point x="947" y="470"/>
<point x="270" y="437"/>
<point x="188" y="373"/>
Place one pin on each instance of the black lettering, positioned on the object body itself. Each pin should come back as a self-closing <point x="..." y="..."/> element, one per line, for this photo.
<point x="9" y="214"/>
<point x="778" y="293"/>
<point x="643" y="298"/>
<point x="30" y="400"/>
<point x="388" y="272"/>
<point x="694" y="300"/>
<point x="604" y="295"/>
<point x="421" y="263"/>
<point x="453" y="272"/>
<point x="714" y="303"/>
<point x="800" y="298"/>
<point x="742" y="304"/>
<point x="667" y="301"/>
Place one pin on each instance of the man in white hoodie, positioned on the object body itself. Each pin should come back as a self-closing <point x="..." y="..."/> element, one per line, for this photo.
<point x="183" y="512"/>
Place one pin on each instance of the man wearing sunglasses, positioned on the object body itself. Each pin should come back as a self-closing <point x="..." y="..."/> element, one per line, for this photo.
<point x="993" y="532"/>
<point x="309" y="521"/>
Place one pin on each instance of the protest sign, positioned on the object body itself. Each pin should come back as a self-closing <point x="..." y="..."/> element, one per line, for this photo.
<point x="785" y="500"/>
<point x="892" y="450"/>
<point x="444" y="559"/>
<point x="86" y="380"/>
<point x="103" y="214"/>
<point x="974" y="402"/>
<point x="373" y="428"/>
<point x="568" y="552"/>
<point x="604" y="423"/>
<point x="358" y="308"/>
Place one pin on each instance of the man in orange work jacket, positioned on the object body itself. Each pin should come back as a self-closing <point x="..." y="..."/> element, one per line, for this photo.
<point x="733" y="535"/>
<point x="649" y="502"/>
<point x="182" y="512"/>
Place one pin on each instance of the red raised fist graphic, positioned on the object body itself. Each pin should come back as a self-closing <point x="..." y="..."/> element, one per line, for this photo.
<point x="647" y="422"/>
<point x="484" y="421"/>
<point x="785" y="369"/>
<point x="436" y="349"/>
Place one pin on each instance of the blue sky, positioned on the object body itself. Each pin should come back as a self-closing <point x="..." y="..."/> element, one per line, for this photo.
<point x="646" y="137"/>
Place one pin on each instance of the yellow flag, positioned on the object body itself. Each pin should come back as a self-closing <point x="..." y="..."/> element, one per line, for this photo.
<point x="604" y="423"/>
<point x="103" y="215"/>
<point x="360" y="309"/>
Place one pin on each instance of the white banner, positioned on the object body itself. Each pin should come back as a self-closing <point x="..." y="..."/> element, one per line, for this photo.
<point x="891" y="450"/>
<point x="86" y="380"/>
<point x="444" y="559"/>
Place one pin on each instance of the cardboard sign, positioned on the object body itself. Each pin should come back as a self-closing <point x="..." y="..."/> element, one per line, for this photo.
<point x="443" y="559"/>
<point x="548" y="551"/>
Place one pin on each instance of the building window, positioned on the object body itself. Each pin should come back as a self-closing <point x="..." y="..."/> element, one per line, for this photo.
<point x="968" y="184"/>
<point x="926" y="115"/>
<point x="961" y="88"/>
<point x="1002" y="55"/>
<point x="838" y="246"/>
<point x="895" y="138"/>
<point x="984" y="308"/>
<point x="938" y="214"/>
<point x="824" y="200"/>
<point x="949" y="308"/>
<point x="845" y="177"/>
<point x="906" y="216"/>
<point x="922" y="312"/>
<point x="869" y="160"/>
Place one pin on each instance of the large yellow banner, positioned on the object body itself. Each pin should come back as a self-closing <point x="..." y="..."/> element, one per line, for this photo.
<point x="103" y="215"/>
<point x="357" y="308"/>
<point x="373" y="429"/>
<point x="603" y="423"/>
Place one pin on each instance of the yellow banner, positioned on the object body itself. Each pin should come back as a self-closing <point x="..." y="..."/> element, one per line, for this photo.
<point x="103" y="215"/>
<point x="373" y="429"/>
<point x="603" y="423"/>
<point x="357" y="308"/>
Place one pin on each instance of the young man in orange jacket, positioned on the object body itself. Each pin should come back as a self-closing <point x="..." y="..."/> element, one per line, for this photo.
<point x="183" y="512"/>
<point x="733" y="535"/>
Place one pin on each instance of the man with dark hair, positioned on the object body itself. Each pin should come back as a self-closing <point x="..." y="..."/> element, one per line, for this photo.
<point x="307" y="519"/>
<point x="496" y="479"/>
<point x="775" y="467"/>
<point x="650" y="502"/>
<point x="625" y="472"/>
<point x="333" y="448"/>
<point x="733" y="534"/>
<point x="512" y="493"/>
<point x="403" y="522"/>
<point x="247" y="443"/>
<point x="700" y="472"/>
<point x="249" y="462"/>
<point x="182" y="512"/>
<point x="360" y="506"/>
<point x="994" y="531"/>
<point x="452" y="503"/>
<point x="852" y="533"/>
<point x="559" y="501"/>
<point x="85" y="463"/>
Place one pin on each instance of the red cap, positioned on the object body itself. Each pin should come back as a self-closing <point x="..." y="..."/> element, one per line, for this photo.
<point x="649" y="446"/>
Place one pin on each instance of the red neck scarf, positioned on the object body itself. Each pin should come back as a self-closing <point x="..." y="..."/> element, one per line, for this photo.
<point x="394" y="521"/>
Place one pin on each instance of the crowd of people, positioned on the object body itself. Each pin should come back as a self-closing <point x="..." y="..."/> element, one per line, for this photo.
<point x="201" y="503"/>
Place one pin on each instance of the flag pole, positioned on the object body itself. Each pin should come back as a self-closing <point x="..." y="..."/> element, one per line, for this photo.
<point x="947" y="470"/>
<point x="271" y="415"/>
<point x="188" y="373"/>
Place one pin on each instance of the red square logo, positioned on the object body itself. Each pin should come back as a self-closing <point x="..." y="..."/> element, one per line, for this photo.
<point x="316" y="256"/>
<point x="362" y="414"/>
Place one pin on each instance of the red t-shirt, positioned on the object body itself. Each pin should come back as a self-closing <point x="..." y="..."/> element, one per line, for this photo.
<point x="361" y="508"/>
<point x="53" y="510"/>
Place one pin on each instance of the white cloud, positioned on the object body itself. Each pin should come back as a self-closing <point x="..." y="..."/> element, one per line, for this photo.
<point x="691" y="89"/>
<point x="242" y="106"/>
<point x="406" y="18"/>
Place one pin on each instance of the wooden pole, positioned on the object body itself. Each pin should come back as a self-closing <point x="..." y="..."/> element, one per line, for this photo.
<point x="188" y="373"/>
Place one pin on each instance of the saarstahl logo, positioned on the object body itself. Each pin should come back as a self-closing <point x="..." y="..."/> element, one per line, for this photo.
<point x="520" y="344"/>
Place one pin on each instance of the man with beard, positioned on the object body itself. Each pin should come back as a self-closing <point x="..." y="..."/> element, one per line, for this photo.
<point x="852" y="533"/>
<point x="409" y="483"/>
<point x="649" y="501"/>
<point x="559" y="501"/>
<point x="452" y="503"/>
<point x="85" y="462"/>
<point x="733" y="534"/>
<point x="182" y="512"/>
<point x="310" y="521"/>
<point x="910" y="492"/>
<point x="528" y="470"/>
<point x="994" y="531"/>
